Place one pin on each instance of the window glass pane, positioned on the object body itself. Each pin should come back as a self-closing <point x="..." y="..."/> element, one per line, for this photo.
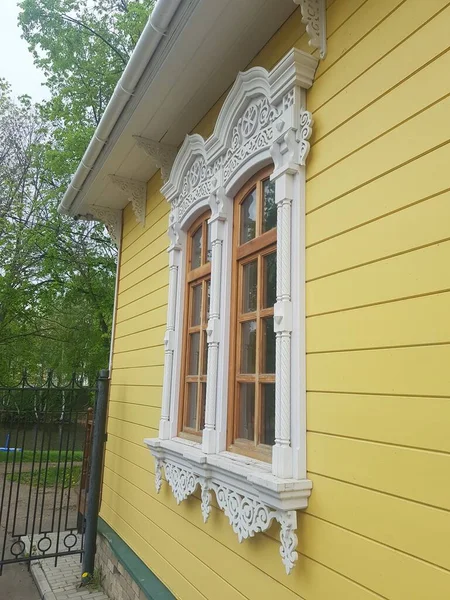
<point x="196" y="305"/>
<point x="196" y="255"/>
<point x="246" y="426"/>
<point x="269" y="206"/>
<point x="268" y="414"/>
<point x="249" y="286"/>
<point x="248" y="218"/>
<point x="248" y="347"/>
<point x="208" y="243"/>
<point x="205" y="354"/>
<point x="268" y="351"/>
<point x="270" y="280"/>
<point x="191" y="412"/>
<point x="202" y="409"/>
<point x="194" y="353"/>
<point x="208" y="299"/>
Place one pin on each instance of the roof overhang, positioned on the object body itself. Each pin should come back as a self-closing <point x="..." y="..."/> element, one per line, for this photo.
<point x="179" y="74"/>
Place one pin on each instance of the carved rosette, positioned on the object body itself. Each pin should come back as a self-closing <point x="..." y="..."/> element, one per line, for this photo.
<point x="197" y="185"/>
<point x="252" y="133"/>
<point x="247" y="515"/>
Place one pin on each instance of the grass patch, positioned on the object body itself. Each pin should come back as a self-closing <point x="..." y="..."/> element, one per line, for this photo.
<point x="70" y="478"/>
<point x="50" y="456"/>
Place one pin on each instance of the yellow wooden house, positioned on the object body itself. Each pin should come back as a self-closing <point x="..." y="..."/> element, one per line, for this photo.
<point x="276" y="176"/>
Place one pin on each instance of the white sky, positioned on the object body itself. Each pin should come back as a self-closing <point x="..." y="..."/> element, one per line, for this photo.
<point x="16" y="63"/>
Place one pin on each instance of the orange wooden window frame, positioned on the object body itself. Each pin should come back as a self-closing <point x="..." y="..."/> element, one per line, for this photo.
<point x="256" y="249"/>
<point x="194" y="276"/>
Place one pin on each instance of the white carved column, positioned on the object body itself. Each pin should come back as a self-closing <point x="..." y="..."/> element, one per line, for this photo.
<point x="282" y="454"/>
<point x="217" y="230"/>
<point x="169" y="338"/>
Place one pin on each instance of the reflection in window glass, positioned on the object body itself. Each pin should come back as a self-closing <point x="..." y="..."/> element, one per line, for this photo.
<point x="268" y="414"/>
<point x="196" y="252"/>
<point x="196" y="311"/>
<point x="249" y="286"/>
<point x="269" y="216"/>
<point x="248" y="351"/>
<point x="246" y="428"/>
<point x="248" y="218"/>
<point x="268" y="350"/>
<point x="194" y="353"/>
<point x="191" y="413"/>
<point x="270" y="280"/>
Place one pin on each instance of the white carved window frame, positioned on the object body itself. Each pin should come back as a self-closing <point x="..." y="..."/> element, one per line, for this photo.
<point x="263" y="120"/>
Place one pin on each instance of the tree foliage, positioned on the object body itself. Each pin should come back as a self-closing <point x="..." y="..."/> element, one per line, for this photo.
<point x="57" y="276"/>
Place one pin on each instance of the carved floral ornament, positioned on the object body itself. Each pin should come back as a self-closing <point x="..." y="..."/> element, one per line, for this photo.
<point x="263" y="120"/>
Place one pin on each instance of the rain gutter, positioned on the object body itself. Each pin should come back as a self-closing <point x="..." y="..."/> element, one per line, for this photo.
<point x="153" y="32"/>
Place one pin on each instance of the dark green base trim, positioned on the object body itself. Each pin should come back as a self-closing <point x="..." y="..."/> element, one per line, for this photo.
<point x="153" y="588"/>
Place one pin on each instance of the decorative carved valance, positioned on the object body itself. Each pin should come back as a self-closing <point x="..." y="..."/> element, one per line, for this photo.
<point x="112" y="219"/>
<point x="136" y="193"/>
<point x="163" y="155"/>
<point x="314" y="15"/>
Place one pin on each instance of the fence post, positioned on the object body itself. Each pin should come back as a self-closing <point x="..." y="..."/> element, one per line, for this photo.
<point x="95" y="476"/>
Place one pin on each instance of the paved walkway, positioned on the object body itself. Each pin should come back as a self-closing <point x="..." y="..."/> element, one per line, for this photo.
<point x="63" y="581"/>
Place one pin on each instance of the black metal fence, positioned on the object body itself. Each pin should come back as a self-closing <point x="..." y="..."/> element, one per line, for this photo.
<point x="45" y="436"/>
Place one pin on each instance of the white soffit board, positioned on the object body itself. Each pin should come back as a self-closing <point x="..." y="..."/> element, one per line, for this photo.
<point x="219" y="39"/>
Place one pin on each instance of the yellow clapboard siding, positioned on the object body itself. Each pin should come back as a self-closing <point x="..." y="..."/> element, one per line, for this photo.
<point x="135" y="454"/>
<point x="143" y="339"/>
<point x="133" y="413"/>
<point x="421" y="320"/>
<point x="403" y="420"/>
<point x="421" y="224"/>
<point x="155" y="299"/>
<point x="133" y="432"/>
<point x="403" y="102"/>
<point x="403" y="61"/>
<point x="338" y="13"/>
<point x="418" y="135"/>
<point x="359" y="24"/>
<point x="162" y="568"/>
<point x="386" y="571"/>
<point x="259" y="551"/>
<point x="155" y="228"/>
<point x="393" y="562"/>
<point x="405" y="472"/>
<point x="139" y="358"/>
<point x="150" y="319"/>
<point x="370" y="36"/>
<point x="139" y="375"/>
<point x="199" y="571"/>
<point x="156" y="263"/>
<point x="410" y="371"/>
<point x="393" y="191"/>
<point x="148" y="285"/>
<point x="157" y="245"/>
<point x="383" y="518"/>
<point x="422" y="271"/>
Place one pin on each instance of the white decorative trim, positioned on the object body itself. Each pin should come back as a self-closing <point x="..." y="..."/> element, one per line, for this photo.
<point x="136" y="193"/>
<point x="247" y="513"/>
<point x="112" y="219"/>
<point x="263" y="119"/>
<point x="162" y="154"/>
<point x="314" y="15"/>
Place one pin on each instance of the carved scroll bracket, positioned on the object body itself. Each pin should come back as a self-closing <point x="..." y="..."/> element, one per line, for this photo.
<point x="247" y="514"/>
<point x="314" y="15"/>
<point x="163" y="155"/>
<point x="112" y="220"/>
<point x="136" y="193"/>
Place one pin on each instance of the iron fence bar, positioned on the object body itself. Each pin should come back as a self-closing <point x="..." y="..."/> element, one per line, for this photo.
<point x="93" y="501"/>
<point x="72" y="460"/>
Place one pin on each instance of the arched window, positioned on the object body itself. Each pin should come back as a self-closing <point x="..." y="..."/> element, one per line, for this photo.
<point x="196" y="313"/>
<point x="252" y="342"/>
